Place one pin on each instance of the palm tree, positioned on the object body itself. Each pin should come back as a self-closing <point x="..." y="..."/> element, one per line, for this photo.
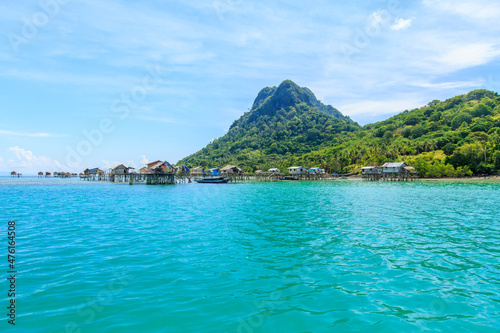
<point x="484" y="148"/>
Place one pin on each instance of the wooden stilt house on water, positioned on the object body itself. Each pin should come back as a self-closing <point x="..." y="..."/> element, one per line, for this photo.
<point x="230" y="170"/>
<point x="398" y="171"/>
<point x="121" y="170"/>
<point x="297" y="170"/>
<point x="160" y="167"/>
<point x="40" y="174"/>
<point x="316" y="171"/>
<point x="93" y="174"/>
<point x="198" y="171"/>
<point x="371" y="172"/>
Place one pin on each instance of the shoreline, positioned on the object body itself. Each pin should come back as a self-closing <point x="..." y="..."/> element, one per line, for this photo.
<point x="487" y="179"/>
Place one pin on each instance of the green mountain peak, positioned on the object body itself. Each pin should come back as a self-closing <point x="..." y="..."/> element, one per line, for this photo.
<point x="284" y="120"/>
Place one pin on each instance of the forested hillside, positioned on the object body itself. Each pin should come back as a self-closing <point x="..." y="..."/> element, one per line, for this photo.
<point x="284" y="121"/>
<point x="288" y="126"/>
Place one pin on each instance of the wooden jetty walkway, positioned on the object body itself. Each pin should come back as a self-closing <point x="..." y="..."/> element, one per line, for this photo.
<point x="134" y="178"/>
<point x="175" y="178"/>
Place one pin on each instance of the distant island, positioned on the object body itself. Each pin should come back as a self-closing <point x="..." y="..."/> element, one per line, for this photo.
<point x="287" y="125"/>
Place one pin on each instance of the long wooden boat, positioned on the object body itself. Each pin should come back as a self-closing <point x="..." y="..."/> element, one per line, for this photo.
<point x="218" y="180"/>
<point x="288" y="178"/>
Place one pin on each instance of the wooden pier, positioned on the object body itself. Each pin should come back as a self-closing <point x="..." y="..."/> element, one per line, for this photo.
<point x="393" y="177"/>
<point x="135" y="178"/>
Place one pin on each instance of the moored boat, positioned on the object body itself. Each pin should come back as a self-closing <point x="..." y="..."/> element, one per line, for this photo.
<point x="218" y="180"/>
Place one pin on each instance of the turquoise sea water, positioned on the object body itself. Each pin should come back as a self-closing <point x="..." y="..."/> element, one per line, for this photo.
<point x="339" y="256"/>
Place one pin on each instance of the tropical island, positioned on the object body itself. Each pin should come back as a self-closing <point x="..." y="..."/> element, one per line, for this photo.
<point x="287" y="125"/>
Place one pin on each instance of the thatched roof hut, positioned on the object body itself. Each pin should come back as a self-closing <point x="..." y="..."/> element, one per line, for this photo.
<point x="228" y="169"/>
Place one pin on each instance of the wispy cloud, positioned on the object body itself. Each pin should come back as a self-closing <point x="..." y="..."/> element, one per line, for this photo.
<point x="144" y="160"/>
<point x="27" y="160"/>
<point x="35" y="135"/>
<point x="450" y="85"/>
<point x="401" y="24"/>
<point x="378" y="18"/>
<point x="380" y="107"/>
<point x="465" y="56"/>
<point x="474" y="10"/>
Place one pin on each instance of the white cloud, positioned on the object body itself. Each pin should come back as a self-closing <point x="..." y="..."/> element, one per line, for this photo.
<point x="378" y="18"/>
<point x="144" y="160"/>
<point x="465" y="56"/>
<point x="473" y="10"/>
<point x="110" y="164"/>
<point x="400" y="24"/>
<point x="450" y="85"/>
<point x="36" y="135"/>
<point x="377" y="107"/>
<point x="131" y="163"/>
<point x="27" y="160"/>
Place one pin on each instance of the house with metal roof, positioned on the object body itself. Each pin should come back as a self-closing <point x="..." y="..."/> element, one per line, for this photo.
<point x="297" y="170"/>
<point x="371" y="170"/>
<point x="395" y="167"/>
<point x="316" y="171"/>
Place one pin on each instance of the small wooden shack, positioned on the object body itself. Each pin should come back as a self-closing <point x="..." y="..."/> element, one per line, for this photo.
<point x="316" y="171"/>
<point x="198" y="171"/>
<point x="230" y="169"/>
<point x="121" y="170"/>
<point x="160" y="167"/>
<point x="47" y="174"/>
<point x="297" y="170"/>
<point x="94" y="171"/>
<point x="397" y="171"/>
<point x="40" y="174"/>
<point x="396" y="167"/>
<point x="371" y="170"/>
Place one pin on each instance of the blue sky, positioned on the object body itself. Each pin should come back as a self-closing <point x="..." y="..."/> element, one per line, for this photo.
<point x="94" y="83"/>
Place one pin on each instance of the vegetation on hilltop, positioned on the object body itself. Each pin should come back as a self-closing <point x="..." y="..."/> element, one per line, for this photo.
<point x="284" y="121"/>
<point x="288" y="126"/>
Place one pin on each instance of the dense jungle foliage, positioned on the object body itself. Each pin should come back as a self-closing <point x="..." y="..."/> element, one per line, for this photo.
<point x="288" y="126"/>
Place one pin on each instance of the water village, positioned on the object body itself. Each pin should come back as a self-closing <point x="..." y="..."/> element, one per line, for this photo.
<point x="163" y="173"/>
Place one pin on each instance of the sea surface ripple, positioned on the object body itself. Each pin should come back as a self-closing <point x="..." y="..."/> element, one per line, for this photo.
<point x="339" y="256"/>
